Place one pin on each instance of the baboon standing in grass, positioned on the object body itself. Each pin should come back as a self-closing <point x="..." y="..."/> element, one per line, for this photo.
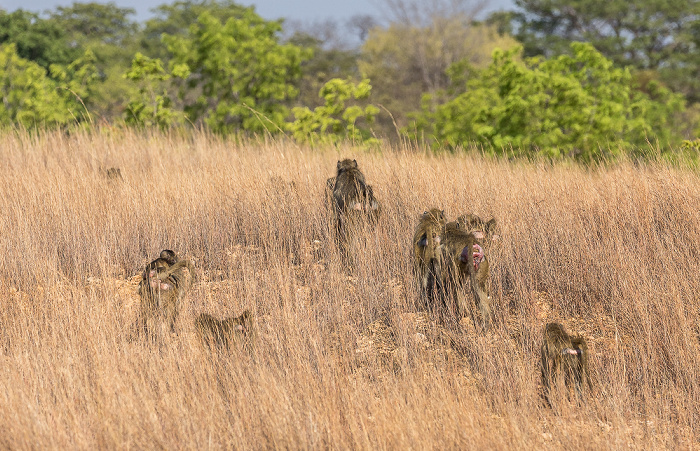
<point x="426" y="241"/>
<point x="216" y="333"/>
<point x="564" y="355"/>
<point x="462" y="259"/>
<point x="354" y="203"/>
<point x="163" y="285"/>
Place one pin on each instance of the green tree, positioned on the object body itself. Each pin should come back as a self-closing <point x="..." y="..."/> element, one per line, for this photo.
<point x="153" y="106"/>
<point x="110" y="34"/>
<point x="175" y="19"/>
<point x="31" y="99"/>
<point x="39" y="40"/>
<point x="405" y="61"/>
<point x="334" y="122"/>
<point x="579" y="106"/>
<point x="241" y="76"/>
<point x="659" y="35"/>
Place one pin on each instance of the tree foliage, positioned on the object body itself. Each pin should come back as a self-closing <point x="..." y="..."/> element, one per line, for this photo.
<point x="39" y="40"/>
<point x="240" y="74"/>
<point x="32" y="99"/>
<point x="406" y="61"/>
<point x="661" y="35"/>
<point x="579" y="106"/>
<point x="154" y="105"/>
<point x="334" y="121"/>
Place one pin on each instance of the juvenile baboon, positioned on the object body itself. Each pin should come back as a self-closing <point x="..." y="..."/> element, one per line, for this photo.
<point x="221" y="333"/>
<point x="114" y="174"/>
<point x="426" y="240"/>
<point x="565" y="354"/>
<point x="485" y="234"/>
<point x="482" y="230"/>
<point x="163" y="285"/>
<point x="462" y="259"/>
<point x="353" y="201"/>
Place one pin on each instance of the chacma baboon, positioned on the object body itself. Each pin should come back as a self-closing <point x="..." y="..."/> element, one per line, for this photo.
<point x="354" y="203"/>
<point x="114" y="174"/>
<point x="216" y="333"/>
<point x="426" y="240"/>
<point x="163" y="285"/>
<point x="565" y="354"/>
<point x="482" y="230"/>
<point x="462" y="259"/>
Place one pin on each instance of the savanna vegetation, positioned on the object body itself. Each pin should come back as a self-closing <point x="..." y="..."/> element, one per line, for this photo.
<point x="211" y="131"/>
<point x="582" y="82"/>
<point x="342" y="358"/>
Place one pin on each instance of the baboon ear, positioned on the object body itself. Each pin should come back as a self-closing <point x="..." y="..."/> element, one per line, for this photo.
<point x="354" y="163"/>
<point x="490" y="226"/>
<point x="338" y="165"/>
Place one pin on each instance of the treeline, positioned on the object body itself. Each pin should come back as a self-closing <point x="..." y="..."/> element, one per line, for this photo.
<point x="588" y="80"/>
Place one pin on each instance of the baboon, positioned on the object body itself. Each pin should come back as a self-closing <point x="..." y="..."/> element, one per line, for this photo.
<point x="114" y="174"/>
<point x="482" y="230"/>
<point x="221" y="333"/>
<point x="353" y="201"/>
<point x="163" y="285"/>
<point x="426" y="240"/>
<point x="462" y="258"/>
<point x="485" y="233"/>
<point x="567" y="354"/>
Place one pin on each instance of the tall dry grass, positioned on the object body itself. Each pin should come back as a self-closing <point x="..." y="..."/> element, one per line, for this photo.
<point x="343" y="359"/>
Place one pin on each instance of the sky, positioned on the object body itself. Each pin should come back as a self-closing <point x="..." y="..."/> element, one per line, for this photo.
<point x="300" y="10"/>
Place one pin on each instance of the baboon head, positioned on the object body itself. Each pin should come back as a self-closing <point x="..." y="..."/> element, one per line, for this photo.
<point x="482" y="230"/>
<point x="346" y="165"/>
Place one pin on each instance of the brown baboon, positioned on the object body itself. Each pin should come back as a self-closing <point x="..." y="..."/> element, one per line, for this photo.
<point x="482" y="230"/>
<point x="163" y="285"/>
<point x="462" y="258"/>
<point x="114" y="174"/>
<point x="567" y="354"/>
<point x="353" y="201"/>
<point x="221" y="333"/>
<point x="426" y="240"/>
<point x="485" y="233"/>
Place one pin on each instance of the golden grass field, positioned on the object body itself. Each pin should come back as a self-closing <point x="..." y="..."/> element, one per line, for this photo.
<point x="343" y="360"/>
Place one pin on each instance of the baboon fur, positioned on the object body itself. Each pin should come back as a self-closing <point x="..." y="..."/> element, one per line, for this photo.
<point x="564" y="355"/>
<point x="462" y="260"/>
<point x="426" y="240"/>
<point x="216" y="333"/>
<point x="163" y="285"/>
<point x="353" y="202"/>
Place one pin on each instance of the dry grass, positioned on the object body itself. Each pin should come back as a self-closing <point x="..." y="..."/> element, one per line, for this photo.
<point x="343" y="360"/>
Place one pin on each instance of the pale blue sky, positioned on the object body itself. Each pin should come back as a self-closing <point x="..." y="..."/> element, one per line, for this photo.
<point x="303" y="10"/>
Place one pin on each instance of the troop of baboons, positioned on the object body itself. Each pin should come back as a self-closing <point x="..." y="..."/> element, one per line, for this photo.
<point x="450" y="264"/>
